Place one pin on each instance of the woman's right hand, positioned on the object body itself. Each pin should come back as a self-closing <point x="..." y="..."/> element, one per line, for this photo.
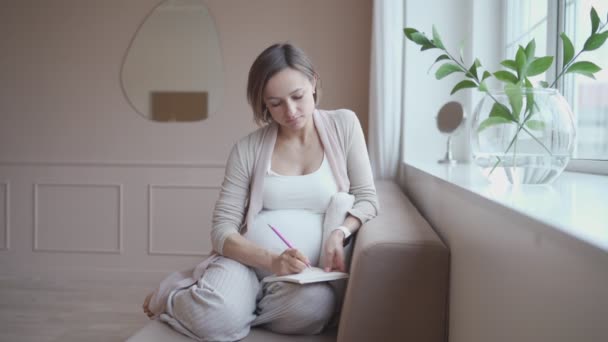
<point x="146" y="306"/>
<point x="289" y="262"/>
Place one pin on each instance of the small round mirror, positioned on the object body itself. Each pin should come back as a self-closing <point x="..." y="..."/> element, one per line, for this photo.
<point x="450" y="117"/>
<point x="449" y="121"/>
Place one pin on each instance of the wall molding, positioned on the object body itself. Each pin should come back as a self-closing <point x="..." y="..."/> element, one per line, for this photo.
<point x="127" y="164"/>
<point x="118" y="250"/>
<point x="7" y="229"/>
<point x="151" y="187"/>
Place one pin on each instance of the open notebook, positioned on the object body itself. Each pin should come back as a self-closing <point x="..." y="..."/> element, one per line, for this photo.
<point x="309" y="275"/>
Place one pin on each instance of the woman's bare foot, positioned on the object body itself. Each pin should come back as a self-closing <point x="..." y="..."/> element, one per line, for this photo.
<point x="146" y="308"/>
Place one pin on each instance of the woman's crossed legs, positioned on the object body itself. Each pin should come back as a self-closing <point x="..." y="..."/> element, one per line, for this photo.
<point x="229" y="299"/>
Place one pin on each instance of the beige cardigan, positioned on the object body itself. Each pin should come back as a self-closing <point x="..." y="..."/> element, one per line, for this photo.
<point x="344" y="145"/>
<point x="240" y="198"/>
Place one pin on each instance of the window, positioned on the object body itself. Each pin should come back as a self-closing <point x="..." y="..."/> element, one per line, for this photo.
<point x="527" y="20"/>
<point x="588" y="98"/>
<point x="585" y="94"/>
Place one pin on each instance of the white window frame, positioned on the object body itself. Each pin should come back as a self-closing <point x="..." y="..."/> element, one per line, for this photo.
<point x="596" y="166"/>
<point x="555" y="25"/>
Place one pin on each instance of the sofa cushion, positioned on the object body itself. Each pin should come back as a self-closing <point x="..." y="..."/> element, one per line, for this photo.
<point x="399" y="281"/>
<point x="157" y="331"/>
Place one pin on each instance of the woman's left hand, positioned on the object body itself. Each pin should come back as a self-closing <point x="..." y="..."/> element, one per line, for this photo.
<point x="334" y="252"/>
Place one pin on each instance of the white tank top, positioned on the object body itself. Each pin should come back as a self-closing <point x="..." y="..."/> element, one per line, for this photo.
<point x="294" y="205"/>
<point x="312" y="191"/>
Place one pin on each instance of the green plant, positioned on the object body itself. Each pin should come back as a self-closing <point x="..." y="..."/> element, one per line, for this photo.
<point x="515" y="75"/>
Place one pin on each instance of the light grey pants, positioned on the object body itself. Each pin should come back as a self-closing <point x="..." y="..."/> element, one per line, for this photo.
<point x="229" y="299"/>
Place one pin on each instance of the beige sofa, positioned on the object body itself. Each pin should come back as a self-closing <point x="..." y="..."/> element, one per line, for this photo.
<point x="397" y="291"/>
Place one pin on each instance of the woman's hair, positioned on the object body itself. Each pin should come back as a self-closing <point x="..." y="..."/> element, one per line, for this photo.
<point x="271" y="61"/>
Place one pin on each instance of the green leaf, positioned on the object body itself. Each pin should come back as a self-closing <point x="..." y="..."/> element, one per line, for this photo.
<point x="483" y="87"/>
<point x="461" y="51"/>
<point x="515" y="96"/>
<point x="539" y="65"/>
<point x="446" y="69"/>
<point x="529" y="98"/>
<point x="408" y="31"/>
<point x="536" y="125"/>
<point x="416" y="36"/>
<point x="500" y="110"/>
<point x="486" y="74"/>
<point x="437" y="39"/>
<point x="595" y="41"/>
<point x="544" y="84"/>
<point x="595" y="20"/>
<point x="590" y="75"/>
<point x="505" y="76"/>
<point x="442" y="57"/>
<point x="520" y="60"/>
<point x="427" y="46"/>
<point x="491" y="121"/>
<point x="568" y="48"/>
<point x="584" y="68"/>
<point x="462" y="85"/>
<point x="420" y="39"/>
<point x="530" y="49"/>
<point x="473" y="68"/>
<point x="509" y="63"/>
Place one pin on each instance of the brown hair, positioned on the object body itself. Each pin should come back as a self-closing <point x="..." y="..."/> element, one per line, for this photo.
<point x="274" y="59"/>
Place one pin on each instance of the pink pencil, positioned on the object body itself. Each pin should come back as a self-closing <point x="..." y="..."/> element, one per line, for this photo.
<point x="276" y="231"/>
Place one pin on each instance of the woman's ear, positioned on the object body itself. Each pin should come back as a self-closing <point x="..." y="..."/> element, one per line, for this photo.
<point x="314" y="83"/>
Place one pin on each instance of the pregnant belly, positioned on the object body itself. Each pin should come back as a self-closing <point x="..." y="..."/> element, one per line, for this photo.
<point x="302" y="228"/>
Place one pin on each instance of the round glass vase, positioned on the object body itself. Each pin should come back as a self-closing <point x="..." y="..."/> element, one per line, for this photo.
<point x="522" y="135"/>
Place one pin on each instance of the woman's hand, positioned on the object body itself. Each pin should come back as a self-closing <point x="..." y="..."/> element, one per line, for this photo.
<point x="289" y="262"/>
<point x="334" y="252"/>
<point x="146" y="306"/>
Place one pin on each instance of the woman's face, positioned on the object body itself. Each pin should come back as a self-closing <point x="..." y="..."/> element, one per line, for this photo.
<point x="289" y="98"/>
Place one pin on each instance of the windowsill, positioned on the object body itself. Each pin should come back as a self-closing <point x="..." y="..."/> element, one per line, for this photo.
<point x="576" y="203"/>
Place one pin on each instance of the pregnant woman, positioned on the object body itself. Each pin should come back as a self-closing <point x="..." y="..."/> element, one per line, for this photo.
<point x="283" y="174"/>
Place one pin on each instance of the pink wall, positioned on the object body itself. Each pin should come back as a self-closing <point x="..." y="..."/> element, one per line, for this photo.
<point x="61" y="98"/>
<point x="90" y="188"/>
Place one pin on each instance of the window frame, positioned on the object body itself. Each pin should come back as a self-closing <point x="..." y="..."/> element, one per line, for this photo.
<point x="556" y="24"/>
<point x="597" y="166"/>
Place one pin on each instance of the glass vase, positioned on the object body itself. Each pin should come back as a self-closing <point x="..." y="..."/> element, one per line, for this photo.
<point x="522" y="135"/>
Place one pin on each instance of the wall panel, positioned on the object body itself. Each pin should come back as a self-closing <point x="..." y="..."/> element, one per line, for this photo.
<point x="85" y="218"/>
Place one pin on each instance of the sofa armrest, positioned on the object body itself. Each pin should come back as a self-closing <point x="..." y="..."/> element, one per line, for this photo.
<point x="398" y="286"/>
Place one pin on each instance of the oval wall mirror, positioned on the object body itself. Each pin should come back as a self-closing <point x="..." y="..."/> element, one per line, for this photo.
<point x="173" y="68"/>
